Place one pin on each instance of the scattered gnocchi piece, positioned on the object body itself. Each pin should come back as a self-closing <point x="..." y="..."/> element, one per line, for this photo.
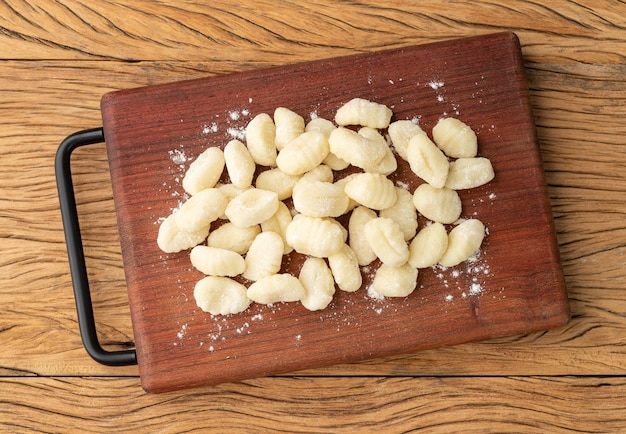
<point x="276" y="288"/>
<point x="359" y="111"/>
<point x="463" y="241"/>
<point x="437" y="204"/>
<point x="205" y="171"/>
<point x="214" y="261"/>
<point x="318" y="283"/>
<point x="395" y="281"/>
<point x="252" y="207"/>
<point x="372" y="190"/>
<point x="455" y="138"/>
<point x="469" y="173"/>
<point x="299" y="164"/>
<point x="387" y="241"/>
<point x="221" y="295"/>
<point x="261" y="139"/>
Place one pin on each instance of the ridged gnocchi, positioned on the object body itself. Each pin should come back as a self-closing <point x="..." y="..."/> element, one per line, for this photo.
<point x="463" y="241"/>
<point x="344" y="266"/>
<point x="264" y="257"/>
<point x="372" y="190"/>
<point x="315" y="236"/>
<point x="387" y="241"/>
<point x="214" y="261"/>
<point x="437" y="204"/>
<point x="289" y="125"/>
<point x="318" y="283"/>
<point x="205" y="171"/>
<point x="320" y="199"/>
<point x="304" y="153"/>
<point x="455" y="138"/>
<point x="469" y="173"/>
<point x="252" y="207"/>
<point x="395" y="281"/>
<point x="221" y="295"/>
<point x="261" y="139"/>
<point x="427" y="161"/>
<point x="359" y="111"/>
<point x="401" y="132"/>
<point x="355" y="148"/>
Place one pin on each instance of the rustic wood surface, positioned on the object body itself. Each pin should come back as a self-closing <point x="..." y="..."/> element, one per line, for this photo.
<point x="58" y="58"/>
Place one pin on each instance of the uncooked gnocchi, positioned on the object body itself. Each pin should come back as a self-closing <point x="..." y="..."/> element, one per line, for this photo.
<point x="318" y="283"/>
<point x="261" y="139"/>
<point x="205" y="171"/>
<point x="463" y="241"/>
<point x="300" y="164"/>
<point x="395" y="281"/>
<point x="214" y="261"/>
<point x="264" y="257"/>
<point x="304" y="153"/>
<point x="252" y="207"/>
<point x="469" y="173"/>
<point x="239" y="164"/>
<point x="372" y="190"/>
<point x="276" y="288"/>
<point x="320" y="199"/>
<point x="315" y="236"/>
<point x="359" y="111"/>
<point x="387" y="241"/>
<point x="455" y="138"/>
<point x="221" y="295"/>
<point x="437" y="204"/>
<point x="289" y="125"/>
<point x="427" y="161"/>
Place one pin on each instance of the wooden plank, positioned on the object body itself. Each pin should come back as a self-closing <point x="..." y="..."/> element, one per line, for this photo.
<point x="331" y="404"/>
<point x="262" y="33"/>
<point x="45" y="101"/>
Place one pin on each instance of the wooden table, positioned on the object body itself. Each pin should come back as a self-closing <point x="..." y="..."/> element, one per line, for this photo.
<point x="58" y="58"/>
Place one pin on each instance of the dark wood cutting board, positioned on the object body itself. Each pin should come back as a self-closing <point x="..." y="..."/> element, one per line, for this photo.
<point x="514" y="286"/>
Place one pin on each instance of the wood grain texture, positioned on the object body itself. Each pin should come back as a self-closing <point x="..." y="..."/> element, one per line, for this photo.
<point x="321" y="405"/>
<point x="58" y="58"/>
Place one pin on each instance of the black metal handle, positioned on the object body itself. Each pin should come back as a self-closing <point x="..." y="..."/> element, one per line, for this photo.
<point x="78" y="268"/>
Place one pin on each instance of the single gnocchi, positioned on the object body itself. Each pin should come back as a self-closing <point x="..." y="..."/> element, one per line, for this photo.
<point x="401" y="132"/>
<point x="372" y="190"/>
<point x="395" y="281"/>
<point x="219" y="295"/>
<point x="387" y="241"/>
<point x="463" y="241"/>
<point x="355" y="148"/>
<point x="455" y="138"/>
<point x="231" y="237"/>
<point x="326" y="127"/>
<point x="320" y="199"/>
<point x="201" y="209"/>
<point x="318" y="283"/>
<point x="344" y="266"/>
<point x="359" y="111"/>
<point x="427" y="161"/>
<point x="277" y="181"/>
<point x="239" y="164"/>
<point x="467" y="173"/>
<point x="261" y="138"/>
<point x="315" y="236"/>
<point x="437" y="204"/>
<point x="264" y="257"/>
<point x="403" y="212"/>
<point x="276" y="288"/>
<point x="428" y="246"/>
<point x="173" y="239"/>
<point x="252" y="207"/>
<point x="358" y="242"/>
<point x="214" y="261"/>
<point x="304" y="153"/>
<point x="205" y="171"/>
<point x="289" y="125"/>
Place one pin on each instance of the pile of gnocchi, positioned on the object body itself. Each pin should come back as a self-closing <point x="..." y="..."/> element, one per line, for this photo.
<point x="298" y="164"/>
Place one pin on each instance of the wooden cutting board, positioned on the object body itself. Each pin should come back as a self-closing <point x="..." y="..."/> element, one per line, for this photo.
<point x="514" y="286"/>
